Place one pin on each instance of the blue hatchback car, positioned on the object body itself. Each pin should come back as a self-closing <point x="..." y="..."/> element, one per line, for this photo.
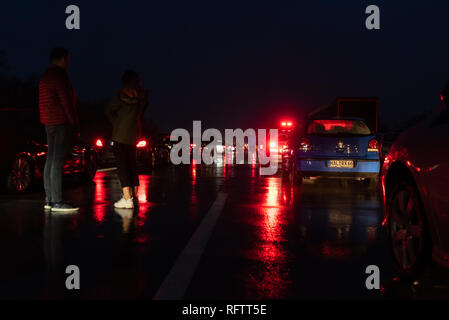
<point x="333" y="147"/>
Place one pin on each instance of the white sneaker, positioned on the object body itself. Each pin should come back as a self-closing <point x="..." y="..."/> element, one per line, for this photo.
<point x="124" y="204"/>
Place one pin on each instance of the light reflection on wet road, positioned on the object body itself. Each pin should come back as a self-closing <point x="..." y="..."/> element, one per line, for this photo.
<point x="272" y="240"/>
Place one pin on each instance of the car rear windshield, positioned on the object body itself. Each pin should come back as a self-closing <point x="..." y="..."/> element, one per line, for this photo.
<point x="338" y="127"/>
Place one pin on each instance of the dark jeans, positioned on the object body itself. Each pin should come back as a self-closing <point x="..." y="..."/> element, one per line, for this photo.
<point x="58" y="140"/>
<point x="125" y="155"/>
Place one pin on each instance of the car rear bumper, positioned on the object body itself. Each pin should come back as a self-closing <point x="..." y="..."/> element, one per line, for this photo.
<point x="353" y="175"/>
<point x="106" y="157"/>
<point x="363" y="168"/>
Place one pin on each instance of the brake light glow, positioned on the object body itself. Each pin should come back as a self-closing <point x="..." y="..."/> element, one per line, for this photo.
<point x="373" y="145"/>
<point x="141" y="144"/>
<point x="304" y="145"/>
<point x="99" y="143"/>
<point x="286" y="124"/>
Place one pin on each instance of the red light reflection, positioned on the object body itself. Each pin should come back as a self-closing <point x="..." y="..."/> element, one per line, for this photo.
<point x="144" y="204"/>
<point x="100" y="206"/>
<point x="193" y="172"/>
<point x="253" y="160"/>
<point x="335" y="250"/>
<point x="274" y="279"/>
<point x="253" y="170"/>
<point x="144" y="182"/>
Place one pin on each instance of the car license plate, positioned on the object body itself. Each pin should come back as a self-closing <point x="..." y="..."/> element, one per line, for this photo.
<point x="341" y="164"/>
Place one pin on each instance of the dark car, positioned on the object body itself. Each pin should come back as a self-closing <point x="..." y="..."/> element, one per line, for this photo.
<point x="387" y="140"/>
<point x="104" y="148"/>
<point x="415" y="184"/>
<point x="25" y="151"/>
<point x="162" y="149"/>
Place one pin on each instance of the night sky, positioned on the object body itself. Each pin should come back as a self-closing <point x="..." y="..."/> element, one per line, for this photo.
<point x="240" y="63"/>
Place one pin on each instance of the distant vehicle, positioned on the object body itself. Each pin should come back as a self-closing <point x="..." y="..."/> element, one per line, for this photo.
<point x="161" y="149"/>
<point x="106" y="158"/>
<point x="285" y="130"/>
<point x="415" y="184"/>
<point x="274" y="148"/>
<point x="25" y="151"/>
<point x="335" y="148"/>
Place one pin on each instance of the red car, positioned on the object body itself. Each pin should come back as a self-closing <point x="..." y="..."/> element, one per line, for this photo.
<point x="415" y="189"/>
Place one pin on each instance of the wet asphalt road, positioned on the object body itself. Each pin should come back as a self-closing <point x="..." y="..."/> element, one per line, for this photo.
<point x="203" y="232"/>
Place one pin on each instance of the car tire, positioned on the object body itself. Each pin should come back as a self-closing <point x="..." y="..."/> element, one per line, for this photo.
<point x="343" y="183"/>
<point x="21" y="175"/>
<point x="285" y="169"/>
<point x="294" y="176"/>
<point x="285" y="173"/>
<point x="408" y="232"/>
<point x="372" y="183"/>
<point x="164" y="158"/>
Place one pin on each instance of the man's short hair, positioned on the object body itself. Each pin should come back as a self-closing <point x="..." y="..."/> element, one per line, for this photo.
<point x="58" y="53"/>
<point x="130" y="79"/>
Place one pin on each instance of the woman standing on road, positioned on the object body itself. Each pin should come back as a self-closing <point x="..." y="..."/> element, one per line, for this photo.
<point x="125" y="111"/>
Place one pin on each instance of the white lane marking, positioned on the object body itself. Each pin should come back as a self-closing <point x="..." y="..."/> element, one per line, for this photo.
<point x="178" y="279"/>
<point x="107" y="169"/>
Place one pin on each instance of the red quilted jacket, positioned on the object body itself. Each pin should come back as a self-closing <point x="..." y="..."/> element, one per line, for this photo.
<point x="57" y="99"/>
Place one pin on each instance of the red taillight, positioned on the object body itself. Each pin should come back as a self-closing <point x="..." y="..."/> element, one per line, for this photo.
<point x="373" y="145"/>
<point x="141" y="144"/>
<point x="304" y="145"/>
<point x="99" y="143"/>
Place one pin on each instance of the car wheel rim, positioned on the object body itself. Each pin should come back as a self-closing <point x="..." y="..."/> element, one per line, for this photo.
<point x="21" y="174"/>
<point x="406" y="230"/>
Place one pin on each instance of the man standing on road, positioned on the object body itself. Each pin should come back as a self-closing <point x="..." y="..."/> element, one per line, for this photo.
<point x="58" y="112"/>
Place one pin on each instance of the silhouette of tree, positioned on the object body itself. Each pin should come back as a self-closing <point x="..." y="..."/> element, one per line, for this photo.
<point x="2" y="60"/>
<point x="15" y="92"/>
